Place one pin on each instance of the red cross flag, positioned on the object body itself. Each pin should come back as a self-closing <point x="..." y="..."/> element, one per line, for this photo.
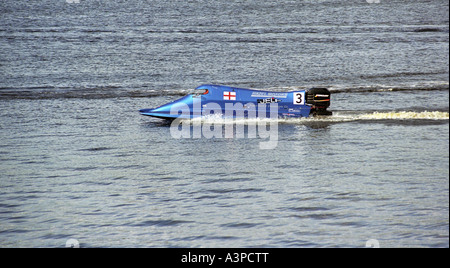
<point x="229" y="95"/>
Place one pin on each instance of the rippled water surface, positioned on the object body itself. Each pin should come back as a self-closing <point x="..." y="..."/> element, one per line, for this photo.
<point x="78" y="161"/>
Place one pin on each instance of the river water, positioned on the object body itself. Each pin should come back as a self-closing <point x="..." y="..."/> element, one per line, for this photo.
<point x="78" y="161"/>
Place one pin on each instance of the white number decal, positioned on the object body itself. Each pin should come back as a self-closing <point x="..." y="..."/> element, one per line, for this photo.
<point x="299" y="98"/>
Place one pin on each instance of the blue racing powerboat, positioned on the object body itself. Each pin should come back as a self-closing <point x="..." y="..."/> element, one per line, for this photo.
<point x="207" y="100"/>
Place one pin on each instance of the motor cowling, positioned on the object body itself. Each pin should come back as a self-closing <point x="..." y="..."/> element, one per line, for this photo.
<point x="319" y="100"/>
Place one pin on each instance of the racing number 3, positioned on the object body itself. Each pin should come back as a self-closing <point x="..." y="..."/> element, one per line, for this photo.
<point x="299" y="98"/>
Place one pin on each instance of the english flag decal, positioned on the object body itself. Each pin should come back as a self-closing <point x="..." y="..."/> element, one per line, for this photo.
<point x="229" y="95"/>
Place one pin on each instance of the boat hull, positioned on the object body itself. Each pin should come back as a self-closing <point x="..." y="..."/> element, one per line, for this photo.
<point x="224" y="101"/>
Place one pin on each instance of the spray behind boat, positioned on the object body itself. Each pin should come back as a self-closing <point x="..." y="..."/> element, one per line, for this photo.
<point x="319" y="100"/>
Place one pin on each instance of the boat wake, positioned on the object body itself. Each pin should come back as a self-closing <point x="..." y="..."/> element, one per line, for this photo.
<point x="107" y="91"/>
<point x="337" y="117"/>
<point x="405" y="115"/>
<point x="384" y="117"/>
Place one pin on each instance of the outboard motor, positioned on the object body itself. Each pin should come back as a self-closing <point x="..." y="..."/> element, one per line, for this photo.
<point x="319" y="100"/>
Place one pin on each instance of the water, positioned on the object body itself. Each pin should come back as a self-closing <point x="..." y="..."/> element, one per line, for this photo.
<point x="78" y="161"/>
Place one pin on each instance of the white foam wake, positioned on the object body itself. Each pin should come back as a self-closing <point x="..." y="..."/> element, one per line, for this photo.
<point x="406" y="115"/>
<point x="337" y="117"/>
